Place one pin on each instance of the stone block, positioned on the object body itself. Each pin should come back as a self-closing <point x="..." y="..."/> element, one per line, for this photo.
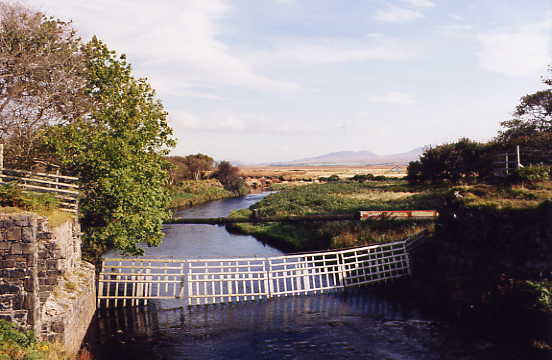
<point x="13" y="234"/>
<point x="23" y="220"/>
<point x="28" y="248"/>
<point x="9" y="289"/>
<point x="16" y="248"/>
<point x="5" y="223"/>
<point x="27" y="234"/>
<point x="44" y="236"/>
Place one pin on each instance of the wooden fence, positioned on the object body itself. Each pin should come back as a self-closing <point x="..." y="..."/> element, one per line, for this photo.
<point x="132" y="282"/>
<point x="64" y="188"/>
<point x="505" y="164"/>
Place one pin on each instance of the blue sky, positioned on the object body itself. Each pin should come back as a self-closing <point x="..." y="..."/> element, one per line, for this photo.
<point x="269" y="80"/>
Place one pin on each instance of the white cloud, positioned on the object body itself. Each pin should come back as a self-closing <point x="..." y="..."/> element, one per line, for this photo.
<point x="392" y="97"/>
<point x="407" y="10"/>
<point x="335" y="51"/>
<point x="397" y="14"/>
<point x="419" y="3"/>
<point x="524" y="51"/>
<point x="181" y="36"/>
<point x="228" y="122"/>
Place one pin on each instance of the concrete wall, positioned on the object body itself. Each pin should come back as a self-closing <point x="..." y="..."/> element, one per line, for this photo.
<point x="44" y="284"/>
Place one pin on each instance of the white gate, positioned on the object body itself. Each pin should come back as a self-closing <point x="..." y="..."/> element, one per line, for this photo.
<point x="132" y="282"/>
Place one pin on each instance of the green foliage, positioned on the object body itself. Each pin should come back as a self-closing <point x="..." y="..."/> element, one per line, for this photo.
<point x="331" y="178"/>
<point x="22" y="345"/>
<point x="338" y="198"/>
<point x="118" y="151"/>
<point x="531" y="174"/>
<point x="362" y="178"/>
<point x="41" y="80"/>
<point x="11" y="195"/>
<point x="189" y="167"/>
<point x="228" y="175"/>
<point x="192" y="192"/>
<point x="454" y="163"/>
<point x="532" y="119"/>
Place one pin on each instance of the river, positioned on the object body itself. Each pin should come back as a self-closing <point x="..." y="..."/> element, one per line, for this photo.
<point x="357" y="325"/>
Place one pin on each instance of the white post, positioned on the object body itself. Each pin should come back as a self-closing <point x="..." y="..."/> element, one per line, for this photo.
<point x="507" y="165"/>
<point x="518" y="164"/>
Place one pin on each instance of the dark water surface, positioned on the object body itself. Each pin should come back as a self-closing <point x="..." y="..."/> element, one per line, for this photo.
<point x="358" y="325"/>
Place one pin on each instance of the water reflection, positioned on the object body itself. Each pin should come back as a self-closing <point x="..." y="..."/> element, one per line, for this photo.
<point x="338" y="326"/>
<point x="351" y="325"/>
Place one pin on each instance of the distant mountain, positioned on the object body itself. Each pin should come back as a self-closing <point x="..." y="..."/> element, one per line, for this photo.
<point x="355" y="158"/>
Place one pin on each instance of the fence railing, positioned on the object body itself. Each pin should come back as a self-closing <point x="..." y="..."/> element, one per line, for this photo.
<point x="506" y="163"/>
<point x="132" y="282"/>
<point x="64" y="188"/>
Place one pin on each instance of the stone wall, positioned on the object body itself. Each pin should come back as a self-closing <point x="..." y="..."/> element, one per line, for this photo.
<point x="44" y="284"/>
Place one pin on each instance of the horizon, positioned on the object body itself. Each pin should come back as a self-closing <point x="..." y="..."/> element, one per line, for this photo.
<point x="267" y="81"/>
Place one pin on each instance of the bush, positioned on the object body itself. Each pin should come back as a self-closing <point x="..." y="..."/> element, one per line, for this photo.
<point x="531" y="174"/>
<point x="362" y="178"/>
<point x="22" y="345"/>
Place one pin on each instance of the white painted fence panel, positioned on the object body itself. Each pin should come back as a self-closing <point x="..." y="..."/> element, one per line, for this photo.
<point x="132" y="282"/>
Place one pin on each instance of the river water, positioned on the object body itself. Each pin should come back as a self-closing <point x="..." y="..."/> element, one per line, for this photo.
<point x="358" y="325"/>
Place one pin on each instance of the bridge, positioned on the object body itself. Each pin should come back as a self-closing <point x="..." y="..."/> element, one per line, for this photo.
<point x="127" y="282"/>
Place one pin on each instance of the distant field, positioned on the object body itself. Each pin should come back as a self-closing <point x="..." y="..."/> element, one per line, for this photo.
<point x="314" y="172"/>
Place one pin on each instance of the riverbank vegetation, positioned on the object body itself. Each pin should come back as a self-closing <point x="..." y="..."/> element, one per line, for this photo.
<point x="194" y="192"/>
<point x="23" y="345"/>
<point x="196" y="179"/>
<point x="340" y="198"/>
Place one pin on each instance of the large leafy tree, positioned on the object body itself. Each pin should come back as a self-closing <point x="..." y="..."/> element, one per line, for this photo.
<point x="532" y="121"/>
<point x="41" y="79"/>
<point x="189" y="167"/>
<point x="119" y="151"/>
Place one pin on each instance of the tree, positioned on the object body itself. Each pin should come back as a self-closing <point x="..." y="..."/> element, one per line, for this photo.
<point x="189" y="167"/>
<point x="118" y="149"/>
<point x="41" y="80"/>
<point x="453" y="163"/>
<point x="229" y="177"/>
<point x="532" y="122"/>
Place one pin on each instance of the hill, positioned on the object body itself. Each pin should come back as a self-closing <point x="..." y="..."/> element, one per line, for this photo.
<point x="355" y="158"/>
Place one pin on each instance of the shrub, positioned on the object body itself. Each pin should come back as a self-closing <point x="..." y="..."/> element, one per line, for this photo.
<point x="531" y="174"/>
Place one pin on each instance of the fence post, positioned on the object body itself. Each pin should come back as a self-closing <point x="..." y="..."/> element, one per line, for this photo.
<point x="268" y="281"/>
<point x="342" y="270"/>
<point x="518" y="163"/>
<point x="507" y="165"/>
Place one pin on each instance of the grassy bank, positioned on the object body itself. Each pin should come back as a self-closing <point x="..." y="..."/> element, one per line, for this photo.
<point x="339" y="198"/>
<point x="194" y="192"/>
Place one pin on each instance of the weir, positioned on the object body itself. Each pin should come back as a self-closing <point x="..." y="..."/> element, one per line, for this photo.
<point x="133" y="282"/>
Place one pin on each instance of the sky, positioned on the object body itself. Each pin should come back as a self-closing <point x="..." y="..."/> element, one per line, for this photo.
<point x="273" y="80"/>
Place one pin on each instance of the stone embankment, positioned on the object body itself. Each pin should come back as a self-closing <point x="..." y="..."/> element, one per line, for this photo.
<point x="44" y="284"/>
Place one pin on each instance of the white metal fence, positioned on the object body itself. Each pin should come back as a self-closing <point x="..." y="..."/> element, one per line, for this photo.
<point x="131" y="282"/>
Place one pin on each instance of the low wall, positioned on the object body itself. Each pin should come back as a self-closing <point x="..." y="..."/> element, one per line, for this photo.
<point x="44" y="284"/>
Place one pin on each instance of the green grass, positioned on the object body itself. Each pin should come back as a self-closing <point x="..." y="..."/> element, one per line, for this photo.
<point x="195" y="192"/>
<point x="348" y="197"/>
<point x="339" y="198"/>
<point x="14" y="201"/>
<point x="351" y="197"/>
